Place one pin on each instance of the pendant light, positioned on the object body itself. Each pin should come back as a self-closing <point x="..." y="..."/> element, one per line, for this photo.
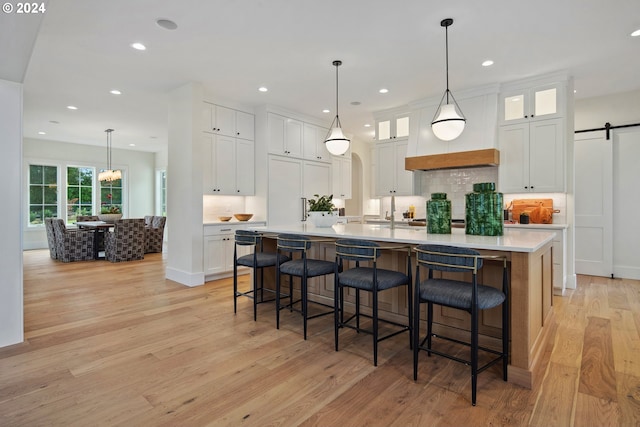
<point x="335" y="141"/>
<point x="448" y="122"/>
<point x="109" y="175"/>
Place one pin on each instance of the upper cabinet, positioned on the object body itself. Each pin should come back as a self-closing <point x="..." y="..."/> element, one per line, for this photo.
<point x="535" y="125"/>
<point x="546" y="101"/>
<point x="229" y="165"/>
<point x="391" y="177"/>
<point x="341" y="177"/>
<point x="285" y="135"/>
<point x="393" y="127"/>
<point x="313" y="143"/>
<point x="226" y="121"/>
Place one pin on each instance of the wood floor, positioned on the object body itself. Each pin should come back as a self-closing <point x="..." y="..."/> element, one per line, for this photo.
<point x="118" y="345"/>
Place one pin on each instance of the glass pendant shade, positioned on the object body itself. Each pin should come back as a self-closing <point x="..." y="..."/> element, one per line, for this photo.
<point x="448" y="124"/>
<point x="336" y="142"/>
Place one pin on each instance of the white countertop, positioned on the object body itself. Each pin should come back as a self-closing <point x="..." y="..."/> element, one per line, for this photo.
<point x="514" y="239"/>
<point x="234" y="222"/>
<point x="538" y="226"/>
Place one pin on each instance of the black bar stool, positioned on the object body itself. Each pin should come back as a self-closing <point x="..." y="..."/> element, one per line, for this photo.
<point x="468" y="296"/>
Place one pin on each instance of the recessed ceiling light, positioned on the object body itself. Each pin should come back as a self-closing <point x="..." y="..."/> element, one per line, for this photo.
<point x="487" y="63"/>
<point x="115" y="92"/>
<point x="326" y="111"/>
<point x="263" y="89"/>
<point x="132" y="145"/>
<point x="383" y="90"/>
<point x="72" y="107"/>
<point x="138" y="46"/>
<point x="356" y="103"/>
<point x="636" y="33"/>
<point x="42" y="133"/>
<point x="367" y="125"/>
<point x="55" y="122"/>
<point x="167" y="24"/>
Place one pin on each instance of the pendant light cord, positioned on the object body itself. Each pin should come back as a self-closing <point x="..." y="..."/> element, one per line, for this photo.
<point x="337" y="64"/>
<point x="109" y="148"/>
<point x="446" y="48"/>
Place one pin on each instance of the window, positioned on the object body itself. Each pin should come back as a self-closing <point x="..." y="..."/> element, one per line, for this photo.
<point x="43" y="193"/>
<point x="162" y="185"/>
<point x="79" y="192"/>
<point x="111" y="196"/>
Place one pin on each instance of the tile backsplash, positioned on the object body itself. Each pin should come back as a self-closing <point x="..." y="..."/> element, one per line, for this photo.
<point x="456" y="183"/>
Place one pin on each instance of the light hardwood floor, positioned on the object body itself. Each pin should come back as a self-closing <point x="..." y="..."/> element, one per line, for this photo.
<point x="118" y="345"/>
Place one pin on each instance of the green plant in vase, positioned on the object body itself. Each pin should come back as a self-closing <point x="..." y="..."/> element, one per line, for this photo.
<point x="321" y="204"/>
<point x="321" y="211"/>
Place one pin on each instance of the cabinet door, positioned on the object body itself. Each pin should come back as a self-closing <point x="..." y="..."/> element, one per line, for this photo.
<point x="284" y="203"/>
<point x="245" y="125"/>
<point x="245" y="168"/>
<point x="535" y="103"/>
<point x="293" y="141"/>
<point x="208" y="117"/>
<point x="322" y="153"/>
<point x="225" y="121"/>
<point x="209" y="185"/>
<point x="276" y="126"/>
<point x="546" y="156"/>
<point x="214" y="254"/>
<point x="317" y="179"/>
<point x="225" y="164"/>
<point x="385" y="169"/>
<point x="309" y="144"/>
<point x="341" y="177"/>
<point x="514" y="158"/>
<point x="403" y="177"/>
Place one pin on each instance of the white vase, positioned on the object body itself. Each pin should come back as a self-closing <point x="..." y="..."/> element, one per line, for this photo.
<point x="323" y="219"/>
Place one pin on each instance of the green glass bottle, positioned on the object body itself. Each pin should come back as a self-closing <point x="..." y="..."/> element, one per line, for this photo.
<point x="484" y="211"/>
<point x="439" y="214"/>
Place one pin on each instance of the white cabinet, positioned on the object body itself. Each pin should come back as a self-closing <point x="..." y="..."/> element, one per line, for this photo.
<point x="218" y="253"/>
<point x="392" y="127"/>
<point x="227" y="121"/>
<point x="391" y="177"/>
<point x="540" y="102"/>
<point x="229" y="166"/>
<point x="341" y="177"/>
<point x="316" y="179"/>
<point x="219" y="242"/>
<point x="285" y="135"/>
<point x="314" y="147"/>
<point x="532" y="157"/>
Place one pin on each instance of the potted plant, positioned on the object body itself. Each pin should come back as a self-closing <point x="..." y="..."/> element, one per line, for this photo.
<point x="110" y="213"/>
<point x="322" y="211"/>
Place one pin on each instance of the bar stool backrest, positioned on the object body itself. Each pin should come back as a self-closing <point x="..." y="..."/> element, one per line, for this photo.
<point x="448" y="258"/>
<point x="293" y="243"/>
<point x="357" y="250"/>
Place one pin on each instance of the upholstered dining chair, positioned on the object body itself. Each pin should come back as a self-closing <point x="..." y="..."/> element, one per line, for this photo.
<point x="257" y="259"/>
<point x="154" y="233"/>
<point x="302" y="267"/>
<point x="126" y="241"/>
<point x="72" y="245"/>
<point x="51" y="237"/>
<point x="457" y="293"/>
<point x="372" y="279"/>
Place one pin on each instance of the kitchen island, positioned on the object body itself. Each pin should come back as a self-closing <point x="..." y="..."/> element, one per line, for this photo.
<point x="530" y="278"/>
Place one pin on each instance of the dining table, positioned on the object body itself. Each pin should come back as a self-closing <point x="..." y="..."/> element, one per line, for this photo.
<point x="99" y="228"/>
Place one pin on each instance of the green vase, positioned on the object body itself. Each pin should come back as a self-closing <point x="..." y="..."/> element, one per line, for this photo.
<point x="439" y="214"/>
<point x="484" y="211"/>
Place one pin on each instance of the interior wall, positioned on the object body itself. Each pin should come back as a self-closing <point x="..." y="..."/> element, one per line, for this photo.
<point x="617" y="109"/>
<point x="140" y="175"/>
<point x="11" y="288"/>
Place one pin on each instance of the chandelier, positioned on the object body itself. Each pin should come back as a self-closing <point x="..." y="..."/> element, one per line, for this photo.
<point x="109" y="175"/>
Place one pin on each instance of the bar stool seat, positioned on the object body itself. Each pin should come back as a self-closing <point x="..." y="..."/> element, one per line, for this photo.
<point x="257" y="260"/>
<point x="304" y="268"/>
<point x="371" y="279"/>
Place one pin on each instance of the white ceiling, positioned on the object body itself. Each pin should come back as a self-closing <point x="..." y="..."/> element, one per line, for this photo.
<point x="234" y="46"/>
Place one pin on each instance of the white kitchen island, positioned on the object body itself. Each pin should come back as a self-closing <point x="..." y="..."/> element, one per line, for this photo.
<point x="530" y="278"/>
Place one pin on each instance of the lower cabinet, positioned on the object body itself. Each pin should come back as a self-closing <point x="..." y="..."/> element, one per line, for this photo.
<point x="218" y="249"/>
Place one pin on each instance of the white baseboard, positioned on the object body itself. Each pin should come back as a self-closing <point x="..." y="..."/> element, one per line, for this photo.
<point x="185" y="278"/>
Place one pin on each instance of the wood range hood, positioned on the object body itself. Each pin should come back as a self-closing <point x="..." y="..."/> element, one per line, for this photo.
<point x="463" y="159"/>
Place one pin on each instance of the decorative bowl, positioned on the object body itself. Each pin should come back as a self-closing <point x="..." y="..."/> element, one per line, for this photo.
<point x="243" y="217"/>
<point x="323" y="219"/>
<point x="224" y="218"/>
<point x="109" y="217"/>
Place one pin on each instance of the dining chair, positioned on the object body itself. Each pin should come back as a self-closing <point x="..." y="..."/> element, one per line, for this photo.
<point x="51" y="237"/>
<point x="457" y="293"/>
<point x="154" y="233"/>
<point x="257" y="259"/>
<point x="72" y="244"/>
<point x="302" y="267"/>
<point x="126" y="241"/>
<point x="372" y="279"/>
